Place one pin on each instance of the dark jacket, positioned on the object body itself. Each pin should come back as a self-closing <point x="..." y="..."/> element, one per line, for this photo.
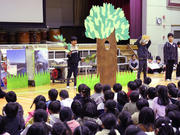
<point x="74" y="58"/>
<point x="170" y="52"/>
<point x="142" y="51"/>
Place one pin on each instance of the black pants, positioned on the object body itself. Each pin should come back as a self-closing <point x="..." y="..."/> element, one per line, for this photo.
<point x="142" y="68"/>
<point x="74" y="70"/>
<point x="169" y="68"/>
<point x="178" y="70"/>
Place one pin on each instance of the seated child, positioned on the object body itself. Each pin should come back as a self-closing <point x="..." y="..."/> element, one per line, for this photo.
<point x="53" y="93"/>
<point x="98" y="96"/>
<point x="133" y="63"/>
<point x="117" y="88"/>
<point x="65" y="100"/>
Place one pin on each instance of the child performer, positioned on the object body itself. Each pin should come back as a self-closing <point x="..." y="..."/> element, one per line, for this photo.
<point x="178" y="66"/>
<point x="143" y="44"/>
<point x="73" y="60"/>
<point x="170" y="56"/>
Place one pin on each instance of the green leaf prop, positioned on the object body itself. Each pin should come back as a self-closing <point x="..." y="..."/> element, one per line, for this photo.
<point x="103" y="20"/>
<point x="63" y="41"/>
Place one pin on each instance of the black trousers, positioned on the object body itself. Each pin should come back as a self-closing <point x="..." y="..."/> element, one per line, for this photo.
<point x="178" y="70"/>
<point x="142" y="68"/>
<point x="169" y="68"/>
<point x="74" y="70"/>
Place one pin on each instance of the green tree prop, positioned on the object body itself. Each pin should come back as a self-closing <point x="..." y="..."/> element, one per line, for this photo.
<point x="105" y="23"/>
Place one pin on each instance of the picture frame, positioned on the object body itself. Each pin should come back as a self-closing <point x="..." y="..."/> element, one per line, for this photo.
<point x="173" y="3"/>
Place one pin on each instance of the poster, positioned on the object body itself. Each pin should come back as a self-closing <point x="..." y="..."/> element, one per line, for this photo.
<point x="3" y="69"/>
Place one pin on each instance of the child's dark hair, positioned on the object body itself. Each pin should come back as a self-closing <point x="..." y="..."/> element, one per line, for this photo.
<point x="134" y="130"/>
<point x="178" y="43"/>
<point x="147" y="116"/>
<point x="178" y="84"/>
<point x="11" y="96"/>
<point x="11" y="109"/>
<point x="171" y="107"/>
<point x="106" y="87"/>
<point x="64" y="94"/>
<point x="171" y="86"/>
<point x="77" y="108"/>
<point x="81" y="130"/>
<point x="173" y="92"/>
<point x="109" y="122"/>
<point x="141" y="103"/>
<point x="163" y="98"/>
<point x="125" y="119"/>
<point x="54" y="107"/>
<point x="132" y="85"/>
<point x="92" y="125"/>
<point x="86" y="92"/>
<point x="90" y="110"/>
<point x="37" y="129"/>
<point x="41" y="105"/>
<point x="58" y="129"/>
<point x="117" y="87"/>
<point x="2" y="93"/>
<point x="164" y="127"/>
<point x="138" y="82"/>
<point x="170" y="35"/>
<point x="111" y="107"/>
<point x="134" y="96"/>
<point x="98" y="88"/>
<point x="53" y="93"/>
<point x="122" y="98"/>
<point x="65" y="114"/>
<point x="158" y="58"/>
<point x="108" y="95"/>
<point x="152" y="93"/>
<point x="147" y="80"/>
<point x="37" y="99"/>
<point x="143" y="91"/>
<point x="81" y="87"/>
<point x="40" y="115"/>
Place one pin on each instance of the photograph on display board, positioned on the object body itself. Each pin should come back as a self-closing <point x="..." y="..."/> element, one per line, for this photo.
<point x="3" y="67"/>
<point x="16" y="62"/>
<point x="41" y="60"/>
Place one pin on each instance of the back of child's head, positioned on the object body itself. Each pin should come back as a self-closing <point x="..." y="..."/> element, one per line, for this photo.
<point x="134" y="130"/>
<point x="171" y="86"/>
<point x="40" y="115"/>
<point x="98" y="88"/>
<point x="163" y="98"/>
<point x="54" y="107"/>
<point x="142" y="103"/>
<point x="58" y="129"/>
<point x="108" y="95"/>
<point x="111" y="107"/>
<point x="77" y="108"/>
<point x="2" y="124"/>
<point x="81" y="87"/>
<point x="147" y="80"/>
<point x="65" y="114"/>
<point x="106" y="87"/>
<point x="37" y="99"/>
<point x="109" y="122"/>
<point x="117" y="87"/>
<point x="86" y="92"/>
<point x="11" y="96"/>
<point x="92" y="125"/>
<point x="81" y="130"/>
<point x="173" y="92"/>
<point x="90" y="110"/>
<point x="53" y="93"/>
<point x="143" y="91"/>
<point x="174" y="116"/>
<point x="138" y="82"/>
<point x="41" y="105"/>
<point x="163" y="126"/>
<point x="171" y="107"/>
<point x="147" y="116"/>
<point x="122" y="98"/>
<point x="37" y="129"/>
<point x="64" y="94"/>
<point x="132" y="85"/>
<point x="151" y="93"/>
<point x="134" y="96"/>
<point x="125" y="119"/>
<point x="11" y="109"/>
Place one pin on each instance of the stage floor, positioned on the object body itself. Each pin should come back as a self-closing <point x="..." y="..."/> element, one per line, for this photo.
<point x="26" y="96"/>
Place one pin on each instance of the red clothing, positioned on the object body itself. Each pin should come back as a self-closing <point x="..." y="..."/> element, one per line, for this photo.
<point x="129" y="92"/>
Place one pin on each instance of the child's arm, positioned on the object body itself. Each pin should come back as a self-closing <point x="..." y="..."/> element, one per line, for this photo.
<point x="165" y="53"/>
<point x="148" y="44"/>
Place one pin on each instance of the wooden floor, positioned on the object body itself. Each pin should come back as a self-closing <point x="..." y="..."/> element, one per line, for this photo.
<point x="26" y="96"/>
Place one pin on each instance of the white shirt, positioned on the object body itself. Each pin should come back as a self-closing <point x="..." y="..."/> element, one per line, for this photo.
<point x="66" y="102"/>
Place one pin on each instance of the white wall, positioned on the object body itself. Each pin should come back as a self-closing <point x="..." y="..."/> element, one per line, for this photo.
<point x="59" y="13"/>
<point x="154" y="9"/>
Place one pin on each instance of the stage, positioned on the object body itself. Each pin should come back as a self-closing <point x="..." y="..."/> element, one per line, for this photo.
<point x="25" y="96"/>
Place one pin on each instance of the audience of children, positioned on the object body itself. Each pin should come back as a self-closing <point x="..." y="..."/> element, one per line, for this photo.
<point x="146" y="111"/>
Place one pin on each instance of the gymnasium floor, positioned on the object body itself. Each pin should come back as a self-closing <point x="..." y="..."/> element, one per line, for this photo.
<point x="26" y="96"/>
